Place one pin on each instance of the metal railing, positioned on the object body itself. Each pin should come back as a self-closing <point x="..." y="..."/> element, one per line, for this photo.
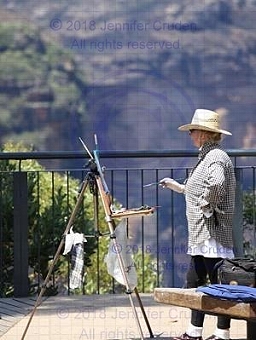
<point x="158" y="241"/>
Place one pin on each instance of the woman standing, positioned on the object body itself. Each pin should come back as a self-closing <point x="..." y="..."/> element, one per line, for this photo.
<point x="210" y="197"/>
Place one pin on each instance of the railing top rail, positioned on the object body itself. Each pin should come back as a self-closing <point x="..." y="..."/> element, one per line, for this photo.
<point x="116" y="154"/>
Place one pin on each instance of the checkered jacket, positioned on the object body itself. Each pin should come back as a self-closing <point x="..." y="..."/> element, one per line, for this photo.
<point x="211" y="187"/>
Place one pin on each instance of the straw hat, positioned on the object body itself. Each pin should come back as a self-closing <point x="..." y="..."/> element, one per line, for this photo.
<point x="205" y="120"/>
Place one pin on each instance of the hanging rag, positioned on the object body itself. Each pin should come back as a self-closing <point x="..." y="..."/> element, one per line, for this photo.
<point x="74" y="244"/>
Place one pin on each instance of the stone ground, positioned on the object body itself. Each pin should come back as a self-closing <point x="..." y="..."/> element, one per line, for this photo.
<point x="99" y="317"/>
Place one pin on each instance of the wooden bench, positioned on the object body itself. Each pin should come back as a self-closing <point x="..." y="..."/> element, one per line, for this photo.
<point x="189" y="298"/>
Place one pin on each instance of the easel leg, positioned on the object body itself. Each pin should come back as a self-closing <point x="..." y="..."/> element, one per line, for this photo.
<point x="122" y="268"/>
<point x="143" y="312"/>
<point x="56" y="256"/>
<point x="106" y="205"/>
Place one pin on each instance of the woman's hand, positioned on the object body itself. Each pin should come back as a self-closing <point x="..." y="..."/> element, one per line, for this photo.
<point x="170" y="183"/>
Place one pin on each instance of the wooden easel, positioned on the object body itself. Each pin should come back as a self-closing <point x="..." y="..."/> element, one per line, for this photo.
<point x="95" y="178"/>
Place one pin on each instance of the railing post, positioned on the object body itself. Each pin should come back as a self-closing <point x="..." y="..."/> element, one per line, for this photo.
<point x="20" y="203"/>
<point x="238" y="215"/>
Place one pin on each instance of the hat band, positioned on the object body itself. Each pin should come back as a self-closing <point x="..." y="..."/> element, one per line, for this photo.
<point x="210" y="123"/>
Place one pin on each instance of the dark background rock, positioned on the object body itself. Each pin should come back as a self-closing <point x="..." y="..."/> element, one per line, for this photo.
<point x="132" y="99"/>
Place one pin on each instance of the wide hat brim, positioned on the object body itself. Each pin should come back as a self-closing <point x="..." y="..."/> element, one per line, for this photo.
<point x="188" y="127"/>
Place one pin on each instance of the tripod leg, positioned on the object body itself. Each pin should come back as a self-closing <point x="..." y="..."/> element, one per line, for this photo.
<point x="143" y="312"/>
<point x="124" y="275"/>
<point x="96" y="231"/>
<point x="106" y="204"/>
<point x="56" y="256"/>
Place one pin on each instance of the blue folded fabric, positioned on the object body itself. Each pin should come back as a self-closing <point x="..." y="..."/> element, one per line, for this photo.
<point x="229" y="292"/>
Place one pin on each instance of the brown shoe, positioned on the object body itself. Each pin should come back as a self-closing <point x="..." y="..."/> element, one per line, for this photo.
<point x="185" y="336"/>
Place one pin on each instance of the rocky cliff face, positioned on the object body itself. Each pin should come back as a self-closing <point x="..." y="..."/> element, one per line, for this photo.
<point x="141" y="69"/>
<point x="130" y="71"/>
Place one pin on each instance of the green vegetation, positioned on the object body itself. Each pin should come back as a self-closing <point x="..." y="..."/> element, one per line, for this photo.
<point x="52" y="198"/>
<point x="249" y="222"/>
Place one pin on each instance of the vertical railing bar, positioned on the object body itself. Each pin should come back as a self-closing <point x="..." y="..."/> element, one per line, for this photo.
<point x="142" y="232"/>
<point x="68" y="201"/>
<point x="53" y="213"/>
<point x="157" y="227"/>
<point x="38" y="228"/>
<point x="113" y="195"/>
<point x="1" y="240"/>
<point x="172" y="234"/>
<point x="253" y="209"/>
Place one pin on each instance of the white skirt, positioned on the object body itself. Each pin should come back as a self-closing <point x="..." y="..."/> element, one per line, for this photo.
<point x="211" y="248"/>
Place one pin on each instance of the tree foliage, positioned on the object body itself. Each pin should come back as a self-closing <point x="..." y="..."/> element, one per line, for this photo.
<point x="249" y="222"/>
<point x="52" y="197"/>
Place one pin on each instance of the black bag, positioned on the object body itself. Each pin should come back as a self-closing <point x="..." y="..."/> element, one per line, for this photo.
<point x="240" y="271"/>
